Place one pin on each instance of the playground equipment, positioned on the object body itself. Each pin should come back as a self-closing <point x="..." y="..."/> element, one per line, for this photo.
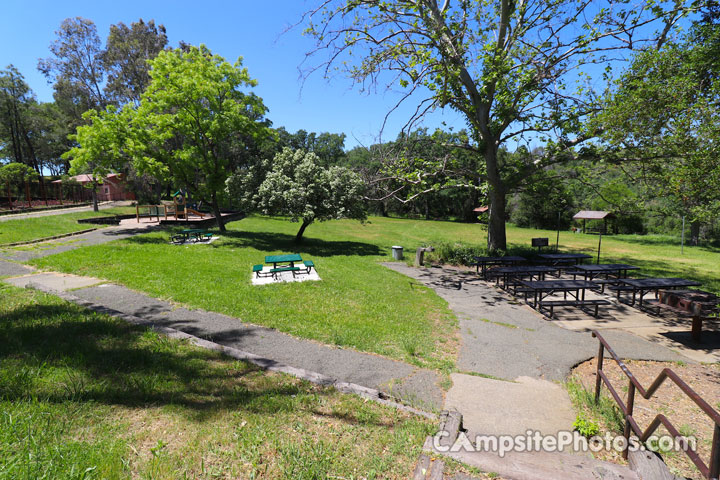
<point x="177" y="208"/>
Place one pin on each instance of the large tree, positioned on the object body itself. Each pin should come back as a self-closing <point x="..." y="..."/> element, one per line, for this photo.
<point x="31" y="133"/>
<point x="190" y="126"/>
<point x="126" y="58"/>
<point x="664" y="117"/>
<point x="512" y="69"/>
<point x="76" y="67"/>
<point x="298" y="185"/>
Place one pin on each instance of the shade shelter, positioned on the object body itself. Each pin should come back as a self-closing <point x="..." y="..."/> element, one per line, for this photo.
<point x="586" y="215"/>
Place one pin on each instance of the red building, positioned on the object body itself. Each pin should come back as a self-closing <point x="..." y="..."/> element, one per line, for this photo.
<point x="113" y="187"/>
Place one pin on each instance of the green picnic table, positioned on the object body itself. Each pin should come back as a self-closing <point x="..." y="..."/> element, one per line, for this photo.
<point x="288" y="258"/>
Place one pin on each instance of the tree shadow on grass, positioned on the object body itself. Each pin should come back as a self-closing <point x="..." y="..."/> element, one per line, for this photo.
<point x="273" y="242"/>
<point x="61" y="353"/>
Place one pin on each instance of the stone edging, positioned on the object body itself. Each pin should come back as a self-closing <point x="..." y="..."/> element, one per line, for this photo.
<point x="47" y="239"/>
<point x="262" y="362"/>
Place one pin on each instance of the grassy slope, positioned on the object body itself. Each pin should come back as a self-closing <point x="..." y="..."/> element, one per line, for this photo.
<point x="83" y="395"/>
<point x="359" y="303"/>
<point x="25" y="230"/>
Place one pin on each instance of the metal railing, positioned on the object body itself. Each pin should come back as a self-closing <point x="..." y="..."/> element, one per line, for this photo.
<point x="711" y="471"/>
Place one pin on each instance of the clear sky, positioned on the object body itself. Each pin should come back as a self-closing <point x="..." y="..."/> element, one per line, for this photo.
<point x="232" y="28"/>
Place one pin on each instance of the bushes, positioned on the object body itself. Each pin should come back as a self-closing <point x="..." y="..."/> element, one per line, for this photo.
<point x="456" y="253"/>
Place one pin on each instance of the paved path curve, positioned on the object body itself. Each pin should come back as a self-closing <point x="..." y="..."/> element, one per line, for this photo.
<point x="415" y="386"/>
<point x="60" y="211"/>
<point x="37" y="250"/>
<point x="508" y="340"/>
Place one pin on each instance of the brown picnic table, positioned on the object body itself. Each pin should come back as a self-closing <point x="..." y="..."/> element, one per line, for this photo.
<point x="484" y="262"/>
<point x="540" y="290"/>
<point x="519" y="272"/>
<point x="639" y="287"/>
<point x="564" y="258"/>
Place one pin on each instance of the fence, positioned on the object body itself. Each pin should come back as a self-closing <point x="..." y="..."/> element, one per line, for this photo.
<point x="710" y="471"/>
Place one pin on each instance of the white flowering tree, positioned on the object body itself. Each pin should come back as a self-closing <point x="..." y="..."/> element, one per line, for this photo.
<point x="298" y="186"/>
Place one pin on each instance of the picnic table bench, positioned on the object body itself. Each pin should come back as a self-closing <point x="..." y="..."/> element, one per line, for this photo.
<point x="563" y="259"/>
<point x="484" y="262"/>
<point x="575" y="288"/>
<point x="284" y="263"/>
<point x="612" y="272"/>
<point x="289" y="259"/>
<point x="200" y="235"/>
<point x="639" y="287"/>
<point x="511" y="275"/>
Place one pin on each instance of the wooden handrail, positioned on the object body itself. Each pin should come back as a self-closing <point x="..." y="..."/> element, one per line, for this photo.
<point x="711" y="471"/>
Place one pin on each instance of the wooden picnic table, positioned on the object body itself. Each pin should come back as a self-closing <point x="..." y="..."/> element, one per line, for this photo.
<point x="484" y="262"/>
<point x="544" y="288"/>
<point x="288" y="258"/>
<point x="560" y="258"/>
<point x="517" y="271"/>
<point x="642" y="286"/>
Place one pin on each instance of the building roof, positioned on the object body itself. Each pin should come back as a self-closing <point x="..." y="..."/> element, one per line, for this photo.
<point x="592" y="215"/>
<point x="87" y="178"/>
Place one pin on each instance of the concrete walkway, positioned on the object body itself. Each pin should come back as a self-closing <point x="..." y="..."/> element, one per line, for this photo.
<point x="523" y="354"/>
<point x="61" y="211"/>
<point x="415" y="386"/>
<point x="37" y="250"/>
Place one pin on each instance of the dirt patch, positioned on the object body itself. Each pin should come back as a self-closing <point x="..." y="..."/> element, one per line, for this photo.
<point x="668" y="400"/>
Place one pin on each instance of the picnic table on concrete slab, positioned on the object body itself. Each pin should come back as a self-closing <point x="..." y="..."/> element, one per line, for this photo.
<point x="187" y="233"/>
<point x="564" y="258"/>
<point x="520" y="272"/>
<point x="544" y="288"/>
<point x="619" y="270"/>
<point x="286" y="259"/>
<point x="484" y="262"/>
<point x="642" y="286"/>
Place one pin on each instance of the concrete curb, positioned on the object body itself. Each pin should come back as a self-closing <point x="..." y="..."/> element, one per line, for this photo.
<point x="47" y="239"/>
<point x="262" y="362"/>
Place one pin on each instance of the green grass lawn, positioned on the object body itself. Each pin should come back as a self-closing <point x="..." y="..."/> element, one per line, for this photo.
<point x="358" y="304"/>
<point x="85" y="396"/>
<point x="28" y="229"/>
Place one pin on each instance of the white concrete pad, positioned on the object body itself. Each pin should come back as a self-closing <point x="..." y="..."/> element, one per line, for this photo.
<point x="54" y="281"/>
<point x="267" y="279"/>
<point x="497" y="407"/>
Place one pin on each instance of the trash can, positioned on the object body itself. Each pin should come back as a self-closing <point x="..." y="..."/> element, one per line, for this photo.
<point x="397" y="252"/>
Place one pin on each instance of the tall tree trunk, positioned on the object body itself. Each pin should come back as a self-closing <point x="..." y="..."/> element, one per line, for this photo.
<point x="496" y="192"/>
<point x="94" y="198"/>
<point x="299" y="236"/>
<point x="695" y="233"/>
<point x="216" y="212"/>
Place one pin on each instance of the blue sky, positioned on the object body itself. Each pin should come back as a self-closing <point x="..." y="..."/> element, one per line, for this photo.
<point x="253" y="30"/>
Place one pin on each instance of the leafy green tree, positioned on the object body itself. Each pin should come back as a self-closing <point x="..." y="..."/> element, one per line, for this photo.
<point x="14" y="176"/>
<point x="76" y="67"/>
<point x="664" y="117"/>
<point x="329" y="147"/>
<point x="299" y="186"/>
<point x="101" y="145"/>
<point x="30" y="132"/>
<point x="511" y="69"/>
<point x="191" y="122"/>
<point x="126" y="56"/>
